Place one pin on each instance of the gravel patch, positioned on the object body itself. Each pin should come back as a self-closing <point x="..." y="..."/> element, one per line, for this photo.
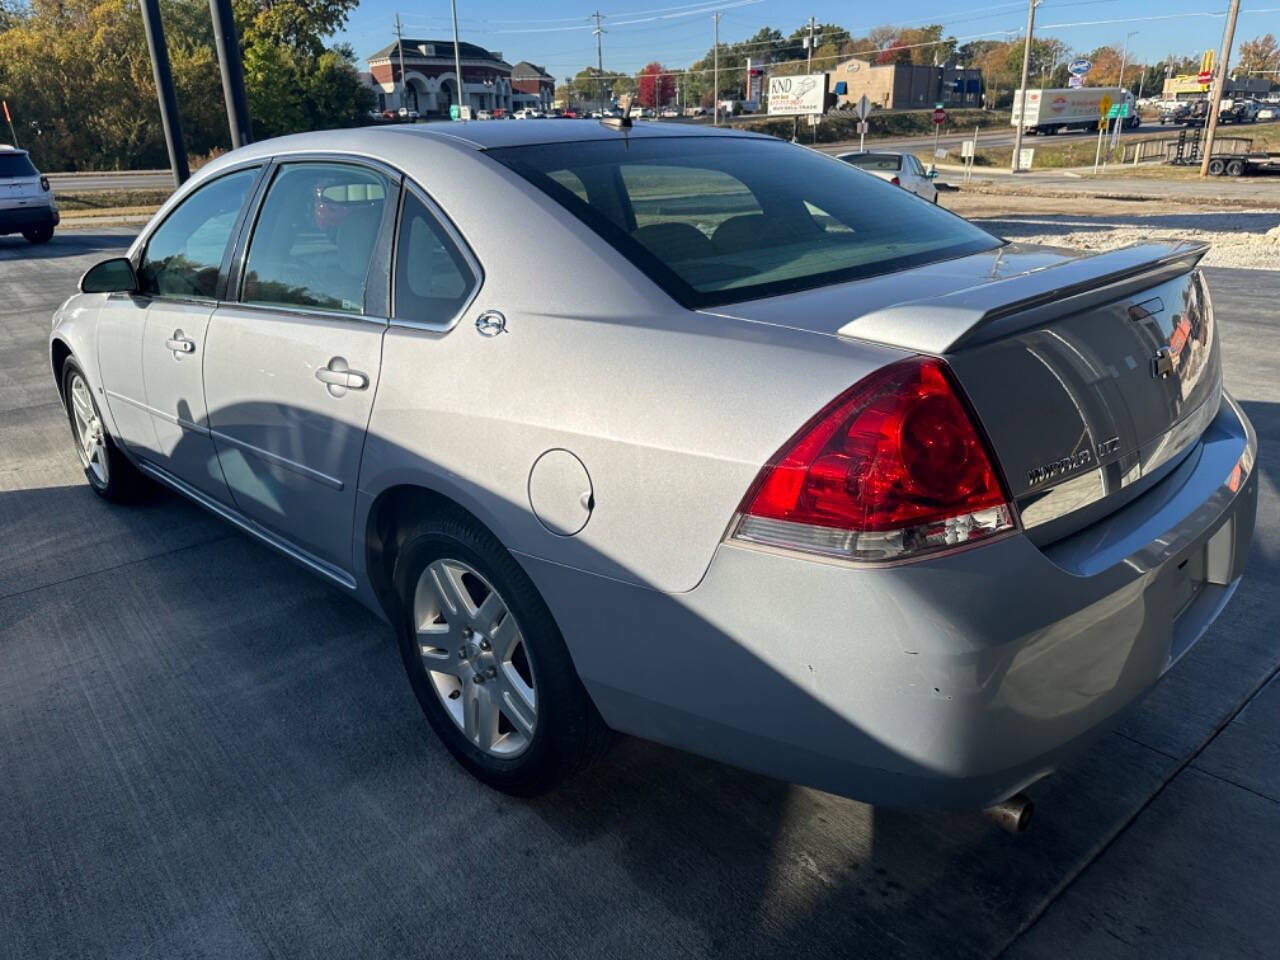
<point x="1244" y="238"/>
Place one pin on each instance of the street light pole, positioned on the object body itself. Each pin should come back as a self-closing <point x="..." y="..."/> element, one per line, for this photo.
<point x="231" y="66"/>
<point x="457" y="57"/>
<point x="1219" y="87"/>
<point x="715" y="72"/>
<point x="170" y="122"/>
<point x="1026" y="71"/>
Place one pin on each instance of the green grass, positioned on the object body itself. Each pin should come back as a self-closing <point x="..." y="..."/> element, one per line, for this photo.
<point x="108" y="200"/>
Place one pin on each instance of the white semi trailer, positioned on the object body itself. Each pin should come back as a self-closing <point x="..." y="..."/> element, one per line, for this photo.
<point x="1072" y="108"/>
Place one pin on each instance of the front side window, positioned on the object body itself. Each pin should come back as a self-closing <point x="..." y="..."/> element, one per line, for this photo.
<point x="433" y="279"/>
<point x="714" y="220"/>
<point x="184" y="255"/>
<point x="315" y="237"/>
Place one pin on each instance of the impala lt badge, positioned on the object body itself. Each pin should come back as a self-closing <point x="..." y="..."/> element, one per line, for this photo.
<point x="1072" y="463"/>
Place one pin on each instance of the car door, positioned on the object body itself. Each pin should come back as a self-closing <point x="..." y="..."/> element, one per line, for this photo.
<point x="182" y="267"/>
<point x="291" y="366"/>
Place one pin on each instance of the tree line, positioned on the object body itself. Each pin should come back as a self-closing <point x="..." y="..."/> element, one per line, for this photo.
<point x="999" y="60"/>
<point x="77" y="77"/>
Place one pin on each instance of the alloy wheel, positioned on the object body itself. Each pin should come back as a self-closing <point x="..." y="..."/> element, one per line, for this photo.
<point x="91" y="442"/>
<point x="475" y="657"/>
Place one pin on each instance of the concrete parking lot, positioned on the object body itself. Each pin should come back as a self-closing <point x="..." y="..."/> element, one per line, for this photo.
<point x="207" y="752"/>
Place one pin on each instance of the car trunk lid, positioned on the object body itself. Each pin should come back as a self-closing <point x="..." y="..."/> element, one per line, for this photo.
<point x="1091" y="376"/>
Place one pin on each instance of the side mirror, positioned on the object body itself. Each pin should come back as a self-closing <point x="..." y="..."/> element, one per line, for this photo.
<point x="110" y="276"/>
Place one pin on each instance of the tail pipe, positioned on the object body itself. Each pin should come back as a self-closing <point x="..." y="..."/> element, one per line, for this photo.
<point x="1012" y="815"/>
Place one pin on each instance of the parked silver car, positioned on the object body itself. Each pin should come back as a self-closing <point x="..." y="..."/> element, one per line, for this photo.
<point x="896" y="167"/>
<point x="798" y="473"/>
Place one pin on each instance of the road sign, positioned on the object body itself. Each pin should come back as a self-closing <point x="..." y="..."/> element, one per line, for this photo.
<point x="1104" y="105"/>
<point x="1075" y="81"/>
<point x="1204" y="77"/>
<point x="939" y="116"/>
<point x="862" y="128"/>
<point x="1078" y="68"/>
<point x="1025" y="156"/>
<point x="1118" y="110"/>
<point x="966" y="148"/>
<point x="863" y="109"/>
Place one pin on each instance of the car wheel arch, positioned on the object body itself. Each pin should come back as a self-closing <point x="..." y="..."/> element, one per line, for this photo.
<point x="59" y="353"/>
<point x="392" y="518"/>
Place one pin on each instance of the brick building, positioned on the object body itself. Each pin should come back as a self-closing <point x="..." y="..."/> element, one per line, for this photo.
<point x="430" y="82"/>
<point x="908" y="86"/>
<point x="533" y="81"/>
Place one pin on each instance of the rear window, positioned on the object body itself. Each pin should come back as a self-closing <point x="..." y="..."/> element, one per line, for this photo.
<point x="875" y="161"/>
<point x="719" y="219"/>
<point x="16" y="165"/>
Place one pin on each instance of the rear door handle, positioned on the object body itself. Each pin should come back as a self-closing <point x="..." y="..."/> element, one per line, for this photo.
<point x="339" y="378"/>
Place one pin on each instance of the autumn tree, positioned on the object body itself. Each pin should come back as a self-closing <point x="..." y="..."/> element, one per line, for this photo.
<point x="1260" y="55"/>
<point x="655" y="86"/>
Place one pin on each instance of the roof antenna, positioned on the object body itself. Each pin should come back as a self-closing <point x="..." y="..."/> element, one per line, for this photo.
<point x="623" y="122"/>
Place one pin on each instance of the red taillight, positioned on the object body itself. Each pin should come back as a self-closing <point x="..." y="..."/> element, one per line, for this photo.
<point x="892" y="467"/>
<point x="896" y="182"/>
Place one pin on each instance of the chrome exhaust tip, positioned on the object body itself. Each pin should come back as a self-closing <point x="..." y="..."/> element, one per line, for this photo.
<point x="1012" y="815"/>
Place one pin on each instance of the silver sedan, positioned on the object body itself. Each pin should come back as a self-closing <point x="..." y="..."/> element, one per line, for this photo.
<point x="695" y="435"/>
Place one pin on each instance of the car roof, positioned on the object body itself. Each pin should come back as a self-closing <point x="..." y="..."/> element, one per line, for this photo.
<point x="872" y="153"/>
<point x="495" y="134"/>
<point x="9" y="148"/>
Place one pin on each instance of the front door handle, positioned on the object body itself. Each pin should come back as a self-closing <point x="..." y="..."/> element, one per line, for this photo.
<point x="179" y="343"/>
<point x="339" y="378"/>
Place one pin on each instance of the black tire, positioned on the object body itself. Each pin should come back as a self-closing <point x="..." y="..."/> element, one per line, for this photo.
<point x="121" y="481"/>
<point x="38" y="235"/>
<point x="1235" y="168"/>
<point x="1216" y="167"/>
<point x="569" y="733"/>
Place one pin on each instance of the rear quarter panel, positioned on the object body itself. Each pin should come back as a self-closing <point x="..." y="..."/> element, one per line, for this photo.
<point x="672" y="413"/>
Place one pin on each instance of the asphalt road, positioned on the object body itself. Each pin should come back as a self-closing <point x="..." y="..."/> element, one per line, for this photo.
<point x="206" y="752"/>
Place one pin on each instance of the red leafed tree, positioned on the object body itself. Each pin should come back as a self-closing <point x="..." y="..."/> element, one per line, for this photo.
<point x="896" y="52"/>
<point x="655" y="86"/>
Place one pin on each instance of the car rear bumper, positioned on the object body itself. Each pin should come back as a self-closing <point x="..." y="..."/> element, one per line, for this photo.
<point x="17" y="219"/>
<point x="954" y="681"/>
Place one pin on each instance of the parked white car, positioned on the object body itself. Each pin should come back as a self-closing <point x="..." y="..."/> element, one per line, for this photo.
<point x="484" y="114"/>
<point x="26" y="199"/>
<point x="902" y="169"/>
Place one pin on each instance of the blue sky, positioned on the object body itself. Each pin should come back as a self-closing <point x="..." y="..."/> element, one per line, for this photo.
<point x="557" y="33"/>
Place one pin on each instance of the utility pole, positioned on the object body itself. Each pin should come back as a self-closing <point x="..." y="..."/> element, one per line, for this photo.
<point x="169" y="119"/>
<point x="808" y="69"/>
<point x="457" y="58"/>
<point x="231" y="65"/>
<point x="1026" y="70"/>
<point x="599" y="32"/>
<point x="1219" y="87"/>
<point x="404" y="85"/>
<point x="715" y="71"/>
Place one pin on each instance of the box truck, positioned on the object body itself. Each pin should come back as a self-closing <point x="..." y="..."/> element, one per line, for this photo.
<point x="1075" y="108"/>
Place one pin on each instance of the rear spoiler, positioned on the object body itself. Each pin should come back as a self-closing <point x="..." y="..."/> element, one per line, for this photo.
<point x="990" y="311"/>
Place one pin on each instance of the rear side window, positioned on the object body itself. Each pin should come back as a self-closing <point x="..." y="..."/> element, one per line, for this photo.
<point x="433" y="279"/>
<point x="714" y="220"/>
<point x="184" y="255"/>
<point x="16" y="165"/>
<point x="315" y="237"/>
